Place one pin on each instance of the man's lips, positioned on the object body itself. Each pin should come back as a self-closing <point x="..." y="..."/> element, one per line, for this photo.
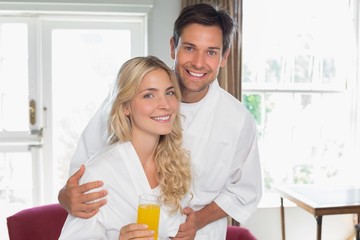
<point x="194" y="74"/>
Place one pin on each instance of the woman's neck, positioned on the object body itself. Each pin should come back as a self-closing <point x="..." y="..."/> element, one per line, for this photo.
<point x="145" y="148"/>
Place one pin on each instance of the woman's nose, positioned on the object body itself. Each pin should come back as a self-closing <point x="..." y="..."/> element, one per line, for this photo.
<point x="163" y="102"/>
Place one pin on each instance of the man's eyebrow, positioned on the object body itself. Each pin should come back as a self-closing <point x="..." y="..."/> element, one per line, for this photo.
<point x="193" y="45"/>
<point x="187" y="43"/>
<point x="214" y="48"/>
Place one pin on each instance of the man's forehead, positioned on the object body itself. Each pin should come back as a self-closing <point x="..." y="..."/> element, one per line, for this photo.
<point x="209" y="37"/>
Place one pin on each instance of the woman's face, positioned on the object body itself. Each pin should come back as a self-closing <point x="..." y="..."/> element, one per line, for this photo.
<point x="154" y="107"/>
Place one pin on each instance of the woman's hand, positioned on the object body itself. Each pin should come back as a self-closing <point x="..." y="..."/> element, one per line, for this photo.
<point x="136" y="231"/>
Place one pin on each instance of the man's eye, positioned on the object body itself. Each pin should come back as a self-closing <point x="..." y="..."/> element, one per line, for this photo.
<point x="212" y="53"/>
<point x="189" y="49"/>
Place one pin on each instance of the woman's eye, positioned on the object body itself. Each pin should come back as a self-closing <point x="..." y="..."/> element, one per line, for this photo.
<point x="171" y="93"/>
<point x="148" y="95"/>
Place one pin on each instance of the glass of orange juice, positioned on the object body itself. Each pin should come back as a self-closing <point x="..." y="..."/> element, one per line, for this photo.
<point x="149" y="212"/>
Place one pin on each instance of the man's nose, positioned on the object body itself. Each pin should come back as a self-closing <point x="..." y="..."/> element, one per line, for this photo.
<point x="198" y="60"/>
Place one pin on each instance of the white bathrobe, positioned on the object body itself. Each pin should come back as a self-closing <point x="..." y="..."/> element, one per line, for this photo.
<point x="222" y="138"/>
<point x="120" y="168"/>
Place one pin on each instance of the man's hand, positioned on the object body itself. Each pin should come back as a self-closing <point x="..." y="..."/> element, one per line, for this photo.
<point x="187" y="230"/>
<point x="75" y="199"/>
<point x="196" y="220"/>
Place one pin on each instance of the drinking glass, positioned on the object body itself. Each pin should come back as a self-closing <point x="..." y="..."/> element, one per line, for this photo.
<point x="149" y="212"/>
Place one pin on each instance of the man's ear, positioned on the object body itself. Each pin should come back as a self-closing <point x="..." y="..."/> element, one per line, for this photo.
<point x="172" y="47"/>
<point x="224" y="58"/>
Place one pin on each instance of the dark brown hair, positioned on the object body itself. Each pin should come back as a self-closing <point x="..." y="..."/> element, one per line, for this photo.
<point x="208" y="15"/>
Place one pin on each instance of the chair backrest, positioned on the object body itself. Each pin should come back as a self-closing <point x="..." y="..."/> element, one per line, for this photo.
<point x="239" y="233"/>
<point x="37" y="223"/>
<point x="45" y="223"/>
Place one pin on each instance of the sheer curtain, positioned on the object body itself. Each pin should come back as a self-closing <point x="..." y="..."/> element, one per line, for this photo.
<point x="230" y="75"/>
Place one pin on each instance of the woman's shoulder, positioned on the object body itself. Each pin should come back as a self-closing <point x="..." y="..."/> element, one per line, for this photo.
<point x="108" y="154"/>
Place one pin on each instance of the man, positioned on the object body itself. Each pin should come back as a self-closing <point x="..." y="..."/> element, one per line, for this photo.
<point x="218" y="130"/>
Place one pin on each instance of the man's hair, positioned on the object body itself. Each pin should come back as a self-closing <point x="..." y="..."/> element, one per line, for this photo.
<point x="208" y="15"/>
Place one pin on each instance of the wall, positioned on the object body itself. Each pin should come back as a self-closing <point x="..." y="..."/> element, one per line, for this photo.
<point x="299" y="225"/>
<point x="161" y="26"/>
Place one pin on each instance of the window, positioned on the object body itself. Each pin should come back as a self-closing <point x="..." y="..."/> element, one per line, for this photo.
<point x="297" y="75"/>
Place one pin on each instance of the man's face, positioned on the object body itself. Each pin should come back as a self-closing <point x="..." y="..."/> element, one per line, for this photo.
<point x="198" y="58"/>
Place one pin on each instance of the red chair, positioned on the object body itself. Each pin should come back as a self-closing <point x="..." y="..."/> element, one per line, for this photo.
<point x="45" y="223"/>
<point x="37" y="223"/>
<point x="239" y="233"/>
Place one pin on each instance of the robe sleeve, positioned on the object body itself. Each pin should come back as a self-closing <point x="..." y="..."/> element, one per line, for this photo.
<point x="92" y="139"/>
<point x="78" y="228"/>
<point x="243" y="191"/>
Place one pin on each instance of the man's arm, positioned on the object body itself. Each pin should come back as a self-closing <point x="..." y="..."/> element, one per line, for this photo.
<point x="76" y="201"/>
<point x="198" y="219"/>
<point x="209" y="214"/>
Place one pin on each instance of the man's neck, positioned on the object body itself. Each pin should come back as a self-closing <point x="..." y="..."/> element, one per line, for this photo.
<point x="191" y="96"/>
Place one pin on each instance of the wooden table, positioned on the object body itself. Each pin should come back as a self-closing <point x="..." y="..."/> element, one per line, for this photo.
<point x="320" y="201"/>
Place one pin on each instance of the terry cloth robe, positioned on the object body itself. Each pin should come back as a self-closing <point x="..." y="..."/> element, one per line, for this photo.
<point x="92" y="139"/>
<point x="119" y="167"/>
<point x="222" y="139"/>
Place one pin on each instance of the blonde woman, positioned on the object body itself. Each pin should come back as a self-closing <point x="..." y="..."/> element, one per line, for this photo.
<point x="144" y="155"/>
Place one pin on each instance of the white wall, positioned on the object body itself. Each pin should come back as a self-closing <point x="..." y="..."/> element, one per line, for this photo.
<point x="161" y="27"/>
<point x="299" y="225"/>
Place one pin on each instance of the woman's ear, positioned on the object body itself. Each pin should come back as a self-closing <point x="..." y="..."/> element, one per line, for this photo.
<point x="126" y="110"/>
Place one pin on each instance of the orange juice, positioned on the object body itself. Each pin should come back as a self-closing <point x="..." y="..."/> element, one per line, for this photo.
<point x="149" y="213"/>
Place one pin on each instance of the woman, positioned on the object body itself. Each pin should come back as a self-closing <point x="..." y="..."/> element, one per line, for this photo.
<point x="144" y="155"/>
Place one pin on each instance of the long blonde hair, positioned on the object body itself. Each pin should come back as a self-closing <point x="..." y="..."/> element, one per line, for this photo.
<point x="171" y="160"/>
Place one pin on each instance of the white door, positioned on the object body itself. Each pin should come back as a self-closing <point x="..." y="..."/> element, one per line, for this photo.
<point x="83" y="56"/>
<point x="20" y="121"/>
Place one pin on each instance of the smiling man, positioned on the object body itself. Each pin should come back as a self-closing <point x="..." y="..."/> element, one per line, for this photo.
<point x="198" y="58"/>
<point x="218" y="130"/>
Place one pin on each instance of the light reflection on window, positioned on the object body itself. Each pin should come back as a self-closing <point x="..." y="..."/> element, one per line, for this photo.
<point x="297" y="61"/>
<point x="13" y="77"/>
